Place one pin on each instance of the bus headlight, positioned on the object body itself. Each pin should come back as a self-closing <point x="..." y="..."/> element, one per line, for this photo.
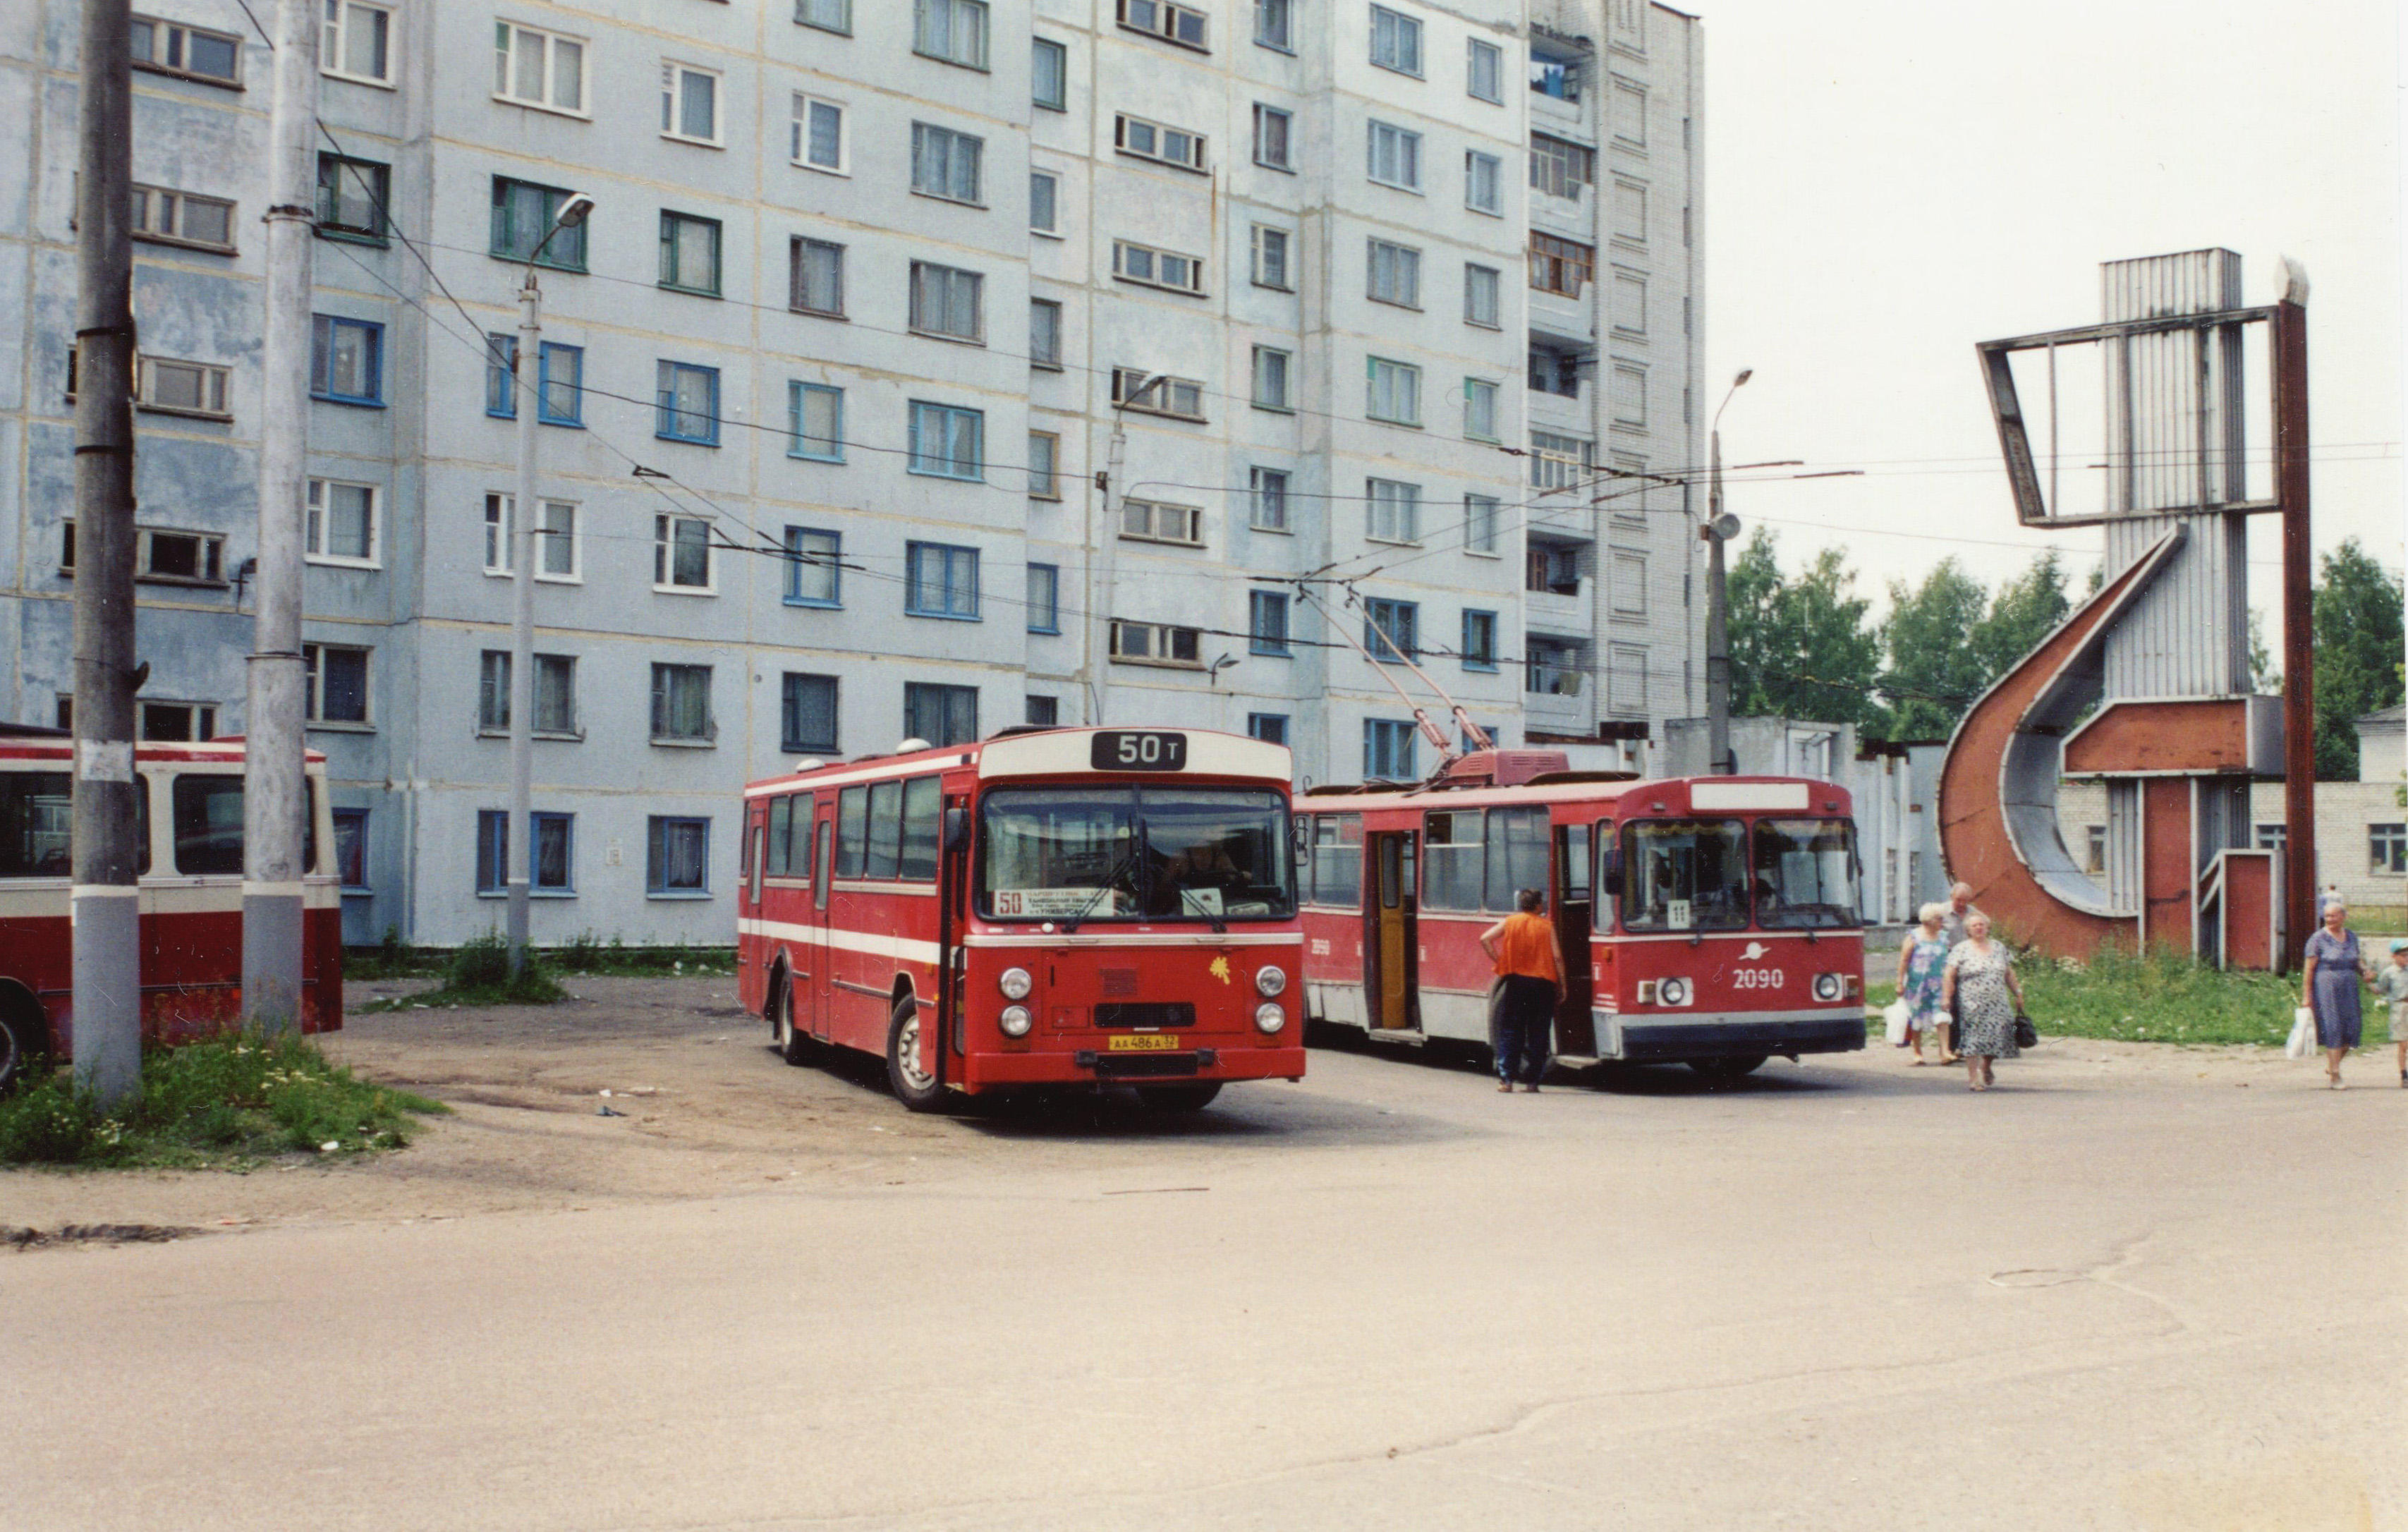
<point x="1270" y="982"/>
<point x="1270" y="1018"/>
<point x="1015" y="983"/>
<point x="1671" y="992"/>
<point x="1015" y="1020"/>
<point x="1826" y="986"/>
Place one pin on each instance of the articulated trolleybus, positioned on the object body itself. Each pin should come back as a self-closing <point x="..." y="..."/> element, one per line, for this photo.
<point x="1114" y="906"/>
<point x="1718" y="915"/>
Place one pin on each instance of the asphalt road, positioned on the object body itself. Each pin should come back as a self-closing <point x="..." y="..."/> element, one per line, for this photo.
<point x="2130" y="1288"/>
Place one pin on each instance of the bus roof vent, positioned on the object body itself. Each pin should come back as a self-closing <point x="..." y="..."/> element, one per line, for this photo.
<point x="810" y="762"/>
<point x="1502" y="768"/>
<point x="908" y="746"/>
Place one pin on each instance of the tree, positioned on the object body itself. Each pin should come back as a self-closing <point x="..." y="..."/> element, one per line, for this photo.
<point x="2025" y="610"/>
<point x="2356" y="628"/>
<point x="1801" y="647"/>
<point x="1934" y="671"/>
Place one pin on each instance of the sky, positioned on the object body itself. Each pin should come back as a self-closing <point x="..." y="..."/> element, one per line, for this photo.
<point x="1889" y="183"/>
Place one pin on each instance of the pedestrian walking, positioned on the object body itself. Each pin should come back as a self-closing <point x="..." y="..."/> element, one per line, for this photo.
<point x="1522" y="948"/>
<point x="1922" y="982"/>
<point x="1986" y="994"/>
<point x="2328" y="987"/>
<point x="1960" y="909"/>
<point x="2392" y="981"/>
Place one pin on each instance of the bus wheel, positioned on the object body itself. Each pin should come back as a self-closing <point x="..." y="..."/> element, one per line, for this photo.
<point x="24" y="1039"/>
<point x="913" y="1086"/>
<point x="1729" y="1069"/>
<point x="1178" y="1097"/>
<point x="793" y="1046"/>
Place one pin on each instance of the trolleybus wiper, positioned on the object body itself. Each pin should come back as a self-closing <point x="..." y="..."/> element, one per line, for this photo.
<point x="1126" y="864"/>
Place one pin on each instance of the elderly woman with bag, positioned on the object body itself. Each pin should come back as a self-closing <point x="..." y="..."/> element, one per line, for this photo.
<point x="2328" y="986"/>
<point x="1922" y="984"/>
<point x="1987" y="997"/>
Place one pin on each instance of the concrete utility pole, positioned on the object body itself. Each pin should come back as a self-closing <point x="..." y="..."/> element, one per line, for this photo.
<point x="107" y="978"/>
<point x="1719" y="529"/>
<point x="275" y="794"/>
<point x="2299" y="615"/>
<point x="1094" y="671"/>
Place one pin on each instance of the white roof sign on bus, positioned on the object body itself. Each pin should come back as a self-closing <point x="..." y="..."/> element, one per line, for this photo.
<point x="1744" y="795"/>
<point x="1196" y="753"/>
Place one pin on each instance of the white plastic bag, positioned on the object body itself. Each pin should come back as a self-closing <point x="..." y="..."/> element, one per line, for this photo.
<point x="1895" y="1013"/>
<point x="2302" y="1040"/>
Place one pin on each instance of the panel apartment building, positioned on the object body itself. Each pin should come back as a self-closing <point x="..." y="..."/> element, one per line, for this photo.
<point x="1385" y="311"/>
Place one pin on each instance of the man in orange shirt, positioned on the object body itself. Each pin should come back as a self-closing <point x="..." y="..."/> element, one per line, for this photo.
<point x="1522" y="948"/>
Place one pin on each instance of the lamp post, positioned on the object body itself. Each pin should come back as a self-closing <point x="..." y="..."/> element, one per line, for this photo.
<point x="1719" y="529"/>
<point x="1094" y="679"/>
<point x="526" y="390"/>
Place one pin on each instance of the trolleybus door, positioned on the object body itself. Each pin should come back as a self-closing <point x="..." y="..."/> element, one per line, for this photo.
<point x="1576" y="917"/>
<point x="812" y="1006"/>
<point x="1389" y="952"/>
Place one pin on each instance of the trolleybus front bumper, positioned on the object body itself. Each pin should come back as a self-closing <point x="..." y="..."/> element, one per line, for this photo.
<point x="1650" y="1037"/>
<point x="1202" y="1063"/>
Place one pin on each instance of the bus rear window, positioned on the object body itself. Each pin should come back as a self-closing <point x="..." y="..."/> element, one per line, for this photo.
<point x="1684" y="875"/>
<point x="1805" y="873"/>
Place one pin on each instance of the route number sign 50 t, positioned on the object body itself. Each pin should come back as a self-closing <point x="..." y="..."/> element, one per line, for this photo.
<point x="1138" y="750"/>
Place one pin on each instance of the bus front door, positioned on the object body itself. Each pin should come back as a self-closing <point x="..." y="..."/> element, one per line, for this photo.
<point x="1391" y="947"/>
<point x="813" y="998"/>
<point x="1576" y="917"/>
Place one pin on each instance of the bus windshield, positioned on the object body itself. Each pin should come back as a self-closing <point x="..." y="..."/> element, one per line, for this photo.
<point x="1805" y="872"/>
<point x="1684" y="875"/>
<point x="1152" y="854"/>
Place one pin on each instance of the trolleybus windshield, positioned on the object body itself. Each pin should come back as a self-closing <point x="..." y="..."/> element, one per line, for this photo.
<point x="1805" y="872"/>
<point x="1684" y="875"/>
<point x="1153" y="853"/>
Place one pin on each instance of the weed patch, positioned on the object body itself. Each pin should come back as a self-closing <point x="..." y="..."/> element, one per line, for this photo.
<point x="2159" y="998"/>
<point x="478" y="974"/>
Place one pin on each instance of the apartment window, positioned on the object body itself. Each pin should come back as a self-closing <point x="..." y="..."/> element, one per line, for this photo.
<point x="1479" y="409"/>
<point x="682" y="704"/>
<point x="1267" y="623"/>
<point x="1271" y="258"/>
<point x="818" y="135"/>
<point x="1044" y="202"/>
<point x="353" y="198"/>
<point x="1480" y="300"/>
<point x="681" y="553"/>
<point x="1626" y="307"/>
<point x="532" y="67"/>
<point x="1044" y="598"/>
<point x="1556" y="76"/>
<point x="1273" y="126"/>
<point x="941" y="715"/>
<point x="689" y="404"/>
<point x="1555" y="370"/>
<point x="1479" y="640"/>
<point x="171" y="48"/>
<point x="1158" y="643"/>
<point x="1151" y="520"/>
<point x="1181" y="398"/>
<point x="690" y="104"/>
<point x="166" y="217"/>
<point x="816" y="269"/>
<point x="346" y="360"/>
<point x="1396" y="41"/>
<point x="1396" y="273"/>
<point x="947" y="441"/>
<point x="1270" y="728"/>
<point x="815" y="422"/>
<point x="351" y="848"/>
<point x="336" y="676"/>
<point x="1267" y="500"/>
<point x="160" y="555"/>
<point x="174" y="388"/>
<point x="1559" y="463"/>
<point x="523" y="214"/>
<point x="341" y="523"/>
<point x="2387" y="848"/>
<point x="1395" y="511"/>
<point x="1560" y="266"/>
<point x="1552" y="670"/>
<point x="1172" y="23"/>
<point x="1271" y="379"/>
<point x="1485" y="71"/>
<point x="1143" y="263"/>
<point x="1388" y="749"/>
<point x="1145" y="141"/>
<point x="2271" y="837"/>
<point x="945" y="164"/>
<point x="555" y="693"/>
<point x="1630" y="394"/>
<point x="560" y="383"/>
<point x="814" y="568"/>
<point x="1395" y="392"/>
<point x="1274" y="24"/>
<point x="677" y="856"/>
<point x="1480" y="524"/>
<point x="1044" y="711"/>
<point x="690" y="253"/>
<point x="356" y="42"/>
<point x="1559" y="167"/>
<point x="947" y="302"/>
<point x="807" y="713"/>
<point x="555" y="539"/>
<point x="1627" y="583"/>
<point x="1044" y="465"/>
<point x="553" y="835"/>
<point x="1396" y="156"/>
<point x="951" y="31"/>
<point x="186" y="723"/>
<point x="1391" y="628"/>
<point x="941" y="580"/>
<point x="1552" y="568"/>
<point x="1049" y="74"/>
<point x="1484" y="182"/>
<point x="1045" y="334"/>
<point x="826" y="14"/>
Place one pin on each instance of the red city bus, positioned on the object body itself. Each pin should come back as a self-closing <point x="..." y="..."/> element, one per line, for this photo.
<point x="1116" y="906"/>
<point x="1718" y="914"/>
<point x="190" y="816"/>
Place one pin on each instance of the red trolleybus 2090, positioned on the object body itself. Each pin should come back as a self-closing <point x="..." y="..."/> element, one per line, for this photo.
<point x="1718" y="915"/>
<point x="188" y="888"/>
<point x="1115" y="907"/>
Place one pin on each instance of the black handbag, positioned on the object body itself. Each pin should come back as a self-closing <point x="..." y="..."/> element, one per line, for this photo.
<point x="2027" y="1035"/>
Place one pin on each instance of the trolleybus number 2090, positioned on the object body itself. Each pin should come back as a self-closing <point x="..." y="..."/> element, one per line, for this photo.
<point x="1137" y="749"/>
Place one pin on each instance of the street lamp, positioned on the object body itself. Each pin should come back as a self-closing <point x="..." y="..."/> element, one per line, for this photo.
<point x="1719" y="529"/>
<point x="526" y="369"/>
<point x="1096" y="679"/>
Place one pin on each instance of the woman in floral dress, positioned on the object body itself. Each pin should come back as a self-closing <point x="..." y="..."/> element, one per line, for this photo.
<point x="1984" y="993"/>
<point x="1922" y="982"/>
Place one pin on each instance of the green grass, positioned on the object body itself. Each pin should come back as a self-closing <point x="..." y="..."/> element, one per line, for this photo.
<point x="2159" y="998"/>
<point x="588" y="954"/>
<point x="392" y="959"/>
<point x="479" y="973"/>
<point x="228" y="1102"/>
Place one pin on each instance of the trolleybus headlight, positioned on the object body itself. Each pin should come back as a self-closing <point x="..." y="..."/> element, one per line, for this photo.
<point x="1270" y="982"/>
<point x="1015" y="983"/>
<point x="1826" y="986"/>
<point x="1015" y="1020"/>
<point x="1268" y="1016"/>
<point x="1671" y="992"/>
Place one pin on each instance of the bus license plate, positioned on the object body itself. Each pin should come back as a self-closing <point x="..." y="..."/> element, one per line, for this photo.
<point x="1142" y="1042"/>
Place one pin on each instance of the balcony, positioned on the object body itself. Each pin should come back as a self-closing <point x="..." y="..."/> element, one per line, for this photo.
<point x="1557" y="698"/>
<point x="1561" y="613"/>
<point x="1574" y="218"/>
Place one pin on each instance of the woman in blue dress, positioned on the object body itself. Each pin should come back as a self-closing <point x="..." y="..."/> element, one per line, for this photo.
<point x="1921" y="981"/>
<point x="2328" y="986"/>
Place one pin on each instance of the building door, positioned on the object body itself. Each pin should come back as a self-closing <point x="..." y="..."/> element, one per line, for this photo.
<point x="1391" y="947"/>
<point x="1575" y="906"/>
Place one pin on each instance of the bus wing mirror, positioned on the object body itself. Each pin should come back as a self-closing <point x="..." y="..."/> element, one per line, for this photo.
<point x="957" y="828"/>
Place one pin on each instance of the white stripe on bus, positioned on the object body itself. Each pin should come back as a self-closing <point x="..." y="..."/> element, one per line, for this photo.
<point x="876" y="943"/>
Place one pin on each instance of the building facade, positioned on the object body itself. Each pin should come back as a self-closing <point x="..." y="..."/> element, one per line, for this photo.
<point x="927" y="367"/>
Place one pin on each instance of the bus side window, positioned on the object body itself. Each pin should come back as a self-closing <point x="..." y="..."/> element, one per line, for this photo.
<point x="851" y="831"/>
<point x="923" y="807"/>
<point x="1573" y="855"/>
<point x="781" y="823"/>
<point x="886" y="830"/>
<point x="207" y="824"/>
<point x="36" y="811"/>
<point x="1338" y="860"/>
<point x="798" y="852"/>
<point x="1517" y="856"/>
<point x="142" y="825"/>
